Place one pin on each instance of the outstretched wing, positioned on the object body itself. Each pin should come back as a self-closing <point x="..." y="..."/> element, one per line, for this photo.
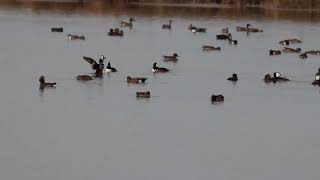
<point x="89" y="60"/>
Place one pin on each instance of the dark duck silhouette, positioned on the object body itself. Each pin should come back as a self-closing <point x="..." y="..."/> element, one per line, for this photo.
<point x="157" y="69"/>
<point x="173" y="58"/>
<point x="167" y="26"/>
<point x="210" y="48"/>
<point x="233" y="78"/>
<point x="145" y="94"/>
<point x="115" y="32"/>
<point x="217" y="98"/>
<point x="127" y="24"/>
<point x="291" y="50"/>
<point x="57" y="29"/>
<point x="136" y="80"/>
<point x="287" y="42"/>
<point x="276" y="78"/>
<point x="44" y="84"/>
<point x="76" y="37"/>
<point x="110" y="69"/>
<point x="98" y="67"/>
<point x="317" y="78"/>
<point x="195" y="29"/>
<point x="274" y="52"/>
<point x="224" y="36"/>
<point x="303" y="56"/>
<point x="84" y="78"/>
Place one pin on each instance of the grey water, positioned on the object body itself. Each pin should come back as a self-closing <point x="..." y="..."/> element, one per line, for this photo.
<point x="99" y="130"/>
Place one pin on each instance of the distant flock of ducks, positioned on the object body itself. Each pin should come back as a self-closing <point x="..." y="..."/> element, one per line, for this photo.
<point x="99" y="67"/>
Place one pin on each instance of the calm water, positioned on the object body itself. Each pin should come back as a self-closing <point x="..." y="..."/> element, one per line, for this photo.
<point x="99" y="130"/>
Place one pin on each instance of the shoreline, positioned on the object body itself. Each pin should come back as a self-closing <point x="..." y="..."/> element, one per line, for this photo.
<point x="220" y="6"/>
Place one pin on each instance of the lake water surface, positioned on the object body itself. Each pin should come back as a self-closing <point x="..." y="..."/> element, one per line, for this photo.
<point x="99" y="130"/>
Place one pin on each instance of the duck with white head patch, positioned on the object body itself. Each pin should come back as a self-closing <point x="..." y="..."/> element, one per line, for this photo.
<point x="157" y="69"/>
<point x="110" y="69"/>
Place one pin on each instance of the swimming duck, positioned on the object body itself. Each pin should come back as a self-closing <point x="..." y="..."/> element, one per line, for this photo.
<point x="84" y="78"/>
<point x="195" y="29"/>
<point x="303" y="56"/>
<point x="217" y="98"/>
<point x="115" y="32"/>
<point x="110" y="69"/>
<point x="210" y="48"/>
<point x="317" y="80"/>
<point x="291" y="50"/>
<point x="274" y="52"/>
<point x="287" y="42"/>
<point x="157" y="69"/>
<point x="57" y="29"/>
<point x="231" y="41"/>
<point x="136" y="80"/>
<point x="98" y="67"/>
<point x="127" y="24"/>
<point x="145" y="94"/>
<point x="167" y="26"/>
<point x="174" y="57"/>
<point x="233" y="78"/>
<point x="276" y="78"/>
<point x="313" y="52"/>
<point x="249" y="29"/>
<point x="76" y="37"/>
<point x="224" y="36"/>
<point x="44" y="84"/>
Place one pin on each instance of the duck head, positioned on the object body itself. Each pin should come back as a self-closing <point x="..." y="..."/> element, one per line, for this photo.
<point x="267" y="78"/>
<point x="154" y="65"/>
<point x="131" y="19"/>
<point x="276" y="75"/>
<point x="234" y="76"/>
<point x="41" y="80"/>
<point x="248" y="26"/>
<point x="175" y="55"/>
<point x="298" y="50"/>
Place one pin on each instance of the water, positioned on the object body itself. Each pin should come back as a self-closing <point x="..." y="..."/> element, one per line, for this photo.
<point x="99" y="130"/>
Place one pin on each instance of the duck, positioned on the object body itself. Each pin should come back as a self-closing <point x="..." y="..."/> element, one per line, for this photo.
<point x="255" y="30"/>
<point x="289" y="41"/>
<point x="44" y="84"/>
<point x="303" y="56"/>
<point x="57" y="29"/>
<point x="217" y="98"/>
<point x="174" y="57"/>
<point x="291" y="50"/>
<point x="268" y="78"/>
<point x="274" y="52"/>
<point x="316" y="82"/>
<point x="248" y="29"/>
<point x="233" y="78"/>
<point x="110" y="69"/>
<point x="224" y="36"/>
<point x="127" y="24"/>
<point x="143" y="94"/>
<point x="157" y="69"/>
<point x="136" y="80"/>
<point x="167" y="26"/>
<point x="98" y="67"/>
<point x="210" y="48"/>
<point x="84" y="78"/>
<point x="276" y="78"/>
<point x="195" y="29"/>
<point x="115" y="32"/>
<point x="231" y="41"/>
<point x="313" y="52"/>
<point x="76" y="37"/>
